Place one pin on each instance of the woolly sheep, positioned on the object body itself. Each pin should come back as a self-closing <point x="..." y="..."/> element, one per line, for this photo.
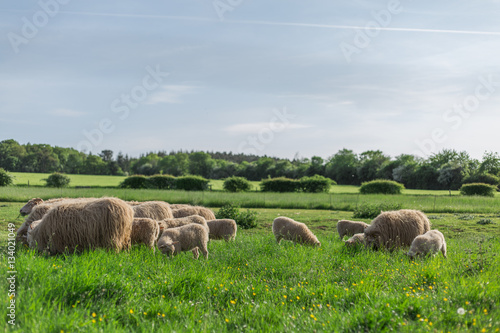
<point x="190" y="237"/>
<point x="179" y="206"/>
<point x="429" y="243"/>
<point x="395" y="229"/>
<point x="68" y="227"/>
<point x="178" y="222"/>
<point x="194" y="210"/>
<point x="145" y="231"/>
<point x="222" y="229"/>
<point x="29" y="236"/>
<point x="156" y="210"/>
<point x="30" y="205"/>
<point x="349" y="228"/>
<point x="288" y="229"/>
<point x="355" y="240"/>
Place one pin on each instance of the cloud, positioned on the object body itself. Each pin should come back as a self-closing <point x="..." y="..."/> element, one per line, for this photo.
<point x="170" y="94"/>
<point x="66" y="113"/>
<point x="249" y="128"/>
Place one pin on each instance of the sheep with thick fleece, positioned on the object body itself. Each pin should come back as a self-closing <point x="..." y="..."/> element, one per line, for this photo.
<point x="222" y="229"/>
<point x="357" y="239"/>
<point x="145" y="231"/>
<point x="194" y="210"/>
<point x="178" y="222"/>
<point x="395" y="229"/>
<point x="350" y="228"/>
<point x="288" y="229"/>
<point x="30" y="205"/>
<point x="78" y="226"/>
<point x="29" y="234"/>
<point x="156" y="210"/>
<point x="431" y="243"/>
<point x="190" y="237"/>
<point x="179" y="206"/>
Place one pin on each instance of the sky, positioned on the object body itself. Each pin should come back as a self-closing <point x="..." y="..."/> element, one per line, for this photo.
<point x="280" y="78"/>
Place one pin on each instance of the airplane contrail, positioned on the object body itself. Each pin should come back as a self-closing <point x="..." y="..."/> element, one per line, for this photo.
<point x="291" y="24"/>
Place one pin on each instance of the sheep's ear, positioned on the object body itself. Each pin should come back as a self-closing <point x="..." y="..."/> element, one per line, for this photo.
<point x="176" y="242"/>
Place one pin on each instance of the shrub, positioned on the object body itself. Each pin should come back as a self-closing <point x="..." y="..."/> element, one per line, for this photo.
<point x="280" y="184"/>
<point x="191" y="183"/>
<point x="237" y="184"/>
<point x="5" y="178"/>
<point x="381" y="186"/>
<point x="484" y="221"/>
<point x="57" y="180"/>
<point x="371" y="211"/>
<point x="485" y="178"/>
<point x="161" y="182"/>
<point x="135" y="182"/>
<point x="315" y="184"/>
<point x="481" y="189"/>
<point x="245" y="220"/>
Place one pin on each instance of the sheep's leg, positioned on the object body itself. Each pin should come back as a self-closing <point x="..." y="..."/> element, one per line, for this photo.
<point x="204" y="250"/>
<point x="279" y="238"/>
<point x="443" y="250"/>
<point x="196" y="253"/>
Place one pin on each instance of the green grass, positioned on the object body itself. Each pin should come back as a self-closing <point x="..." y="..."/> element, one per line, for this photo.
<point x="253" y="284"/>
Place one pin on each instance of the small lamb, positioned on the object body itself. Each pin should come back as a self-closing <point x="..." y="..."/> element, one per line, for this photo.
<point x="429" y="243"/>
<point x="298" y="232"/>
<point x="178" y="222"/>
<point x="357" y="239"/>
<point x="349" y="228"/>
<point x="145" y="231"/>
<point x="222" y="229"/>
<point x="190" y="237"/>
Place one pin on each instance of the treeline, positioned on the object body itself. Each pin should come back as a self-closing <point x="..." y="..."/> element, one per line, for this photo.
<point x="448" y="169"/>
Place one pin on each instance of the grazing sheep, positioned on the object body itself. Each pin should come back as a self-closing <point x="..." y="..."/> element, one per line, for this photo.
<point x="349" y="228"/>
<point x="429" y="243"/>
<point x="68" y="227"/>
<point x="29" y="236"/>
<point x="194" y="210"/>
<point x="145" y="231"/>
<point x="357" y="239"/>
<point x="395" y="229"/>
<point x="179" y="206"/>
<point x="156" y="210"/>
<point x="36" y="213"/>
<point x="178" y="222"/>
<point x="26" y="209"/>
<point x="288" y="229"/>
<point x="222" y="229"/>
<point x="190" y="237"/>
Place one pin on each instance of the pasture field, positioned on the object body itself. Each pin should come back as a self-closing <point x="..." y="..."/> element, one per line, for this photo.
<point x="254" y="284"/>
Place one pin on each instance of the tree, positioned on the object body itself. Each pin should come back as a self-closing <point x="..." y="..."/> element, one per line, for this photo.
<point x="106" y="155"/>
<point x="490" y="163"/>
<point x="370" y="163"/>
<point x="342" y="167"/>
<point x="201" y="164"/>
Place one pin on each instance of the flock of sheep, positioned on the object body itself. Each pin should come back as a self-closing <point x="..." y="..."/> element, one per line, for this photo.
<point x="67" y="225"/>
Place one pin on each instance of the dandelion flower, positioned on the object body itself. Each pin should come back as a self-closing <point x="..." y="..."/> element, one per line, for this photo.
<point x="93" y="314"/>
<point x="131" y="311"/>
<point x="461" y="311"/>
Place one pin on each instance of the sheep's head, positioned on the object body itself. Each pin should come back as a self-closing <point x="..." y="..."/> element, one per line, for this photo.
<point x="167" y="246"/>
<point x="357" y="239"/>
<point x="26" y="209"/>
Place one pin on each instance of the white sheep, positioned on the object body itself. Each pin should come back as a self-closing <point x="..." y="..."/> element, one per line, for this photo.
<point x="145" y="231"/>
<point x="222" y="229"/>
<point x="288" y="229"/>
<point x="355" y="240"/>
<point x="349" y="228"/>
<point x="177" y="222"/>
<point x="190" y="237"/>
<point x="429" y="243"/>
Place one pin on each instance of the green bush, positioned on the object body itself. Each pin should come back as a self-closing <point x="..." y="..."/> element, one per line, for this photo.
<point x="381" y="186"/>
<point x="481" y="189"/>
<point x="161" y="182"/>
<point x="191" y="183"/>
<point x="280" y="184"/>
<point x="371" y="211"/>
<point x="237" y="184"/>
<point x="57" y="180"/>
<point x="245" y="220"/>
<point x="485" y="178"/>
<point x="135" y="182"/>
<point x="485" y="221"/>
<point x="5" y="178"/>
<point x="316" y="184"/>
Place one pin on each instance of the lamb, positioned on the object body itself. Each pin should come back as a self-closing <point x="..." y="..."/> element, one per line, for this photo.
<point x="395" y="229"/>
<point x="190" y="237"/>
<point x="174" y="223"/>
<point x="194" y="210"/>
<point x="349" y="228"/>
<point x="222" y="229"/>
<point x="355" y="240"/>
<point x="429" y="243"/>
<point x="156" y="210"/>
<point x="145" y="231"/>
<point x="288" y="229"/>
<point x="77" y="226"/>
